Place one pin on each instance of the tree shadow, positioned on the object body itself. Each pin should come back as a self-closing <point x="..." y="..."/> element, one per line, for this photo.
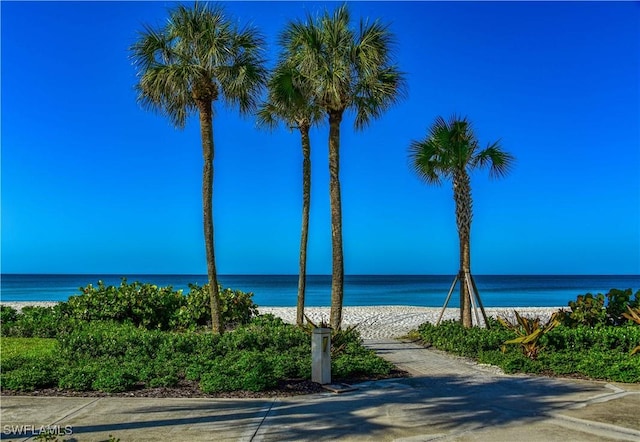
<point x="425" y="405"/>
<point x="386" y="409"/>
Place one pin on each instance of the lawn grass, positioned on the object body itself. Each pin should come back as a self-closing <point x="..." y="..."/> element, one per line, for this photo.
<point x="27" y="347"/>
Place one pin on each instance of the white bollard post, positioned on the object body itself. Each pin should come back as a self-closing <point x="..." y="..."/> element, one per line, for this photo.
<point x="321" y="356"/>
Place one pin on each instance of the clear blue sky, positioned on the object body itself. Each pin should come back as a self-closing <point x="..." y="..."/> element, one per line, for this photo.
<point x="92" y="183"/>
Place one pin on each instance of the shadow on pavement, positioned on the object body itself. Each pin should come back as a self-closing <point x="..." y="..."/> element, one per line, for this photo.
<point x="398" y="407"/>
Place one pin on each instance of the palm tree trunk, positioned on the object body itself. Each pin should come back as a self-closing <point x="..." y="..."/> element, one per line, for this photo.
<point x="306" y="202"/>
<point x="337" y="276"/>
<point x="206" y="135"/>
<point x="462" y="197"/>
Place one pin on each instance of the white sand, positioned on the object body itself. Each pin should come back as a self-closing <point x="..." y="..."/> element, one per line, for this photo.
<point x="394" y="321"/>
<point x="19" y="304"/>
<point x="377" y="321"/>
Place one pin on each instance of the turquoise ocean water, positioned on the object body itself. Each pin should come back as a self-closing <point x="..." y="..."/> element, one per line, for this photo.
<point x="281" y="290"/>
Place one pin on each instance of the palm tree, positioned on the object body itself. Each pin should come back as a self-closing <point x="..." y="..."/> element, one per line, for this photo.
<point x="451" y="151"/>
<point x="344" y="70"/>
<point x="290" y="103"/>
<point x="198" y="57"/>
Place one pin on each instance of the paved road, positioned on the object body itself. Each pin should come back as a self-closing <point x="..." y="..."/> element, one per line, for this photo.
<point x="447" y="398"/>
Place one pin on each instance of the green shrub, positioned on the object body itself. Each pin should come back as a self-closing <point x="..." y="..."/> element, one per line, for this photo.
<point x="582" y="338"/>
<point x="145" y="305"/>
<point x="617" y="303"/>
<point x="590" y="310"/>
<point x="236" y="307"/>
<point x="357" y="364"/>
<point x="453" y="337"/>
<point x="97" y="339"/>
<point x="520" y="364"/>
<point x="81" y="375"/>
<point x="597" y="352"/>
<point x="36" y="321"/>
<point x="294" y="364"/>
<point x="114" y="378"/>
<point x="198" y="367"/>
<point x="585" y="310"/>
<point x="169" y="380"/>
<point x="595" y="364"/>
<point x="243" y="370"/>
<point x="142" y="305"/>
<point x="264" y="332"/>
<point x="8" y="316"/>
<point x="31" y="374"/>
<point x="114" y="357"/>
<point x="350" y="359"/>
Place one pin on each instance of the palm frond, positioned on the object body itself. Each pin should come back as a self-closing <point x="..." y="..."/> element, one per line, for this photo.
<point x="288" y="100"/>
<point x="493" y="156"/>
<point x="424" y="157"/>
<point x="198" y="55"/>
<point x="451" y="147"/>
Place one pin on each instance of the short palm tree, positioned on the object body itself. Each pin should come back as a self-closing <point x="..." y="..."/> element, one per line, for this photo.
<point x="289" y="103"/>
<point x="344" y="70"/>
<point x="198" y="57"/>
<point x="451" y="151"/>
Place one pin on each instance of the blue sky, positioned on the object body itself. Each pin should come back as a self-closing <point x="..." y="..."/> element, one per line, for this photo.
<point x="92" y="183"/>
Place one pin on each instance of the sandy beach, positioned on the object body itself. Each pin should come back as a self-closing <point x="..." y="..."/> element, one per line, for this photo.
<point x="376" y="322"/>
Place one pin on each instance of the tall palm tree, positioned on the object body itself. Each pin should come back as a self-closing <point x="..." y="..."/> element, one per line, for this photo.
<point x="198" y="57"/>
<point x="290" y="103"/>
<point x="451" y="151"/>
<point x="344" y="70"/>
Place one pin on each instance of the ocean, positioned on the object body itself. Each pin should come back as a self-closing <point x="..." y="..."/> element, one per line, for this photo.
<point x="359" y="290"/>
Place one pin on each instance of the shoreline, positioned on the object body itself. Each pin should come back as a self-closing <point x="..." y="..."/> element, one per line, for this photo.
<point x="373" y="322"/>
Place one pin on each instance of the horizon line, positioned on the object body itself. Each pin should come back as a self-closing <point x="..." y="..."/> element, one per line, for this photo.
<point x="314" y="274"/>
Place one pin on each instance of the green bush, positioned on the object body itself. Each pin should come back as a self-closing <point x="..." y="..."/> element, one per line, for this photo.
<point x="595" y="364"/>
<point x="600" y="352"/>
<point x="81" y="375"/>
<point x="114" y="378"/>
<point x="469" y="342"/>
<point x="350" y="359"/>
<point x="585" y="310"/>
<point x="357" y="364"/>
<point x="114" y="357"/>
<point x="8" y="316"/>
<point x="161" y="358"/>
<point x="98" y="339"/>
<point x="30" y="374"/>
<point x="617" y="303"/>
<point x="265" y="332"/>
<point x="145" y="305"/>
<point x="622" y="338"/>
<point x="242" y="370"/>
<point x="237" y="307"/>
<point x="591" y="310"/>
<point x="169" y="380"/>
<point x="142" y="305"/>
<point x="36" y="321"/>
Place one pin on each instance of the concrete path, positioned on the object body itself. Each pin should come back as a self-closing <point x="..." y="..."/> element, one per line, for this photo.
<point x="447" y="398"/>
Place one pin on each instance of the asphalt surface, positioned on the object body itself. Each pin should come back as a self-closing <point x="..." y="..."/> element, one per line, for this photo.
<point x="446" y="398"/>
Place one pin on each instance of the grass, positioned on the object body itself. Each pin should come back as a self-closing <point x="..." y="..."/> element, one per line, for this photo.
<point x="27" y="347"/>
